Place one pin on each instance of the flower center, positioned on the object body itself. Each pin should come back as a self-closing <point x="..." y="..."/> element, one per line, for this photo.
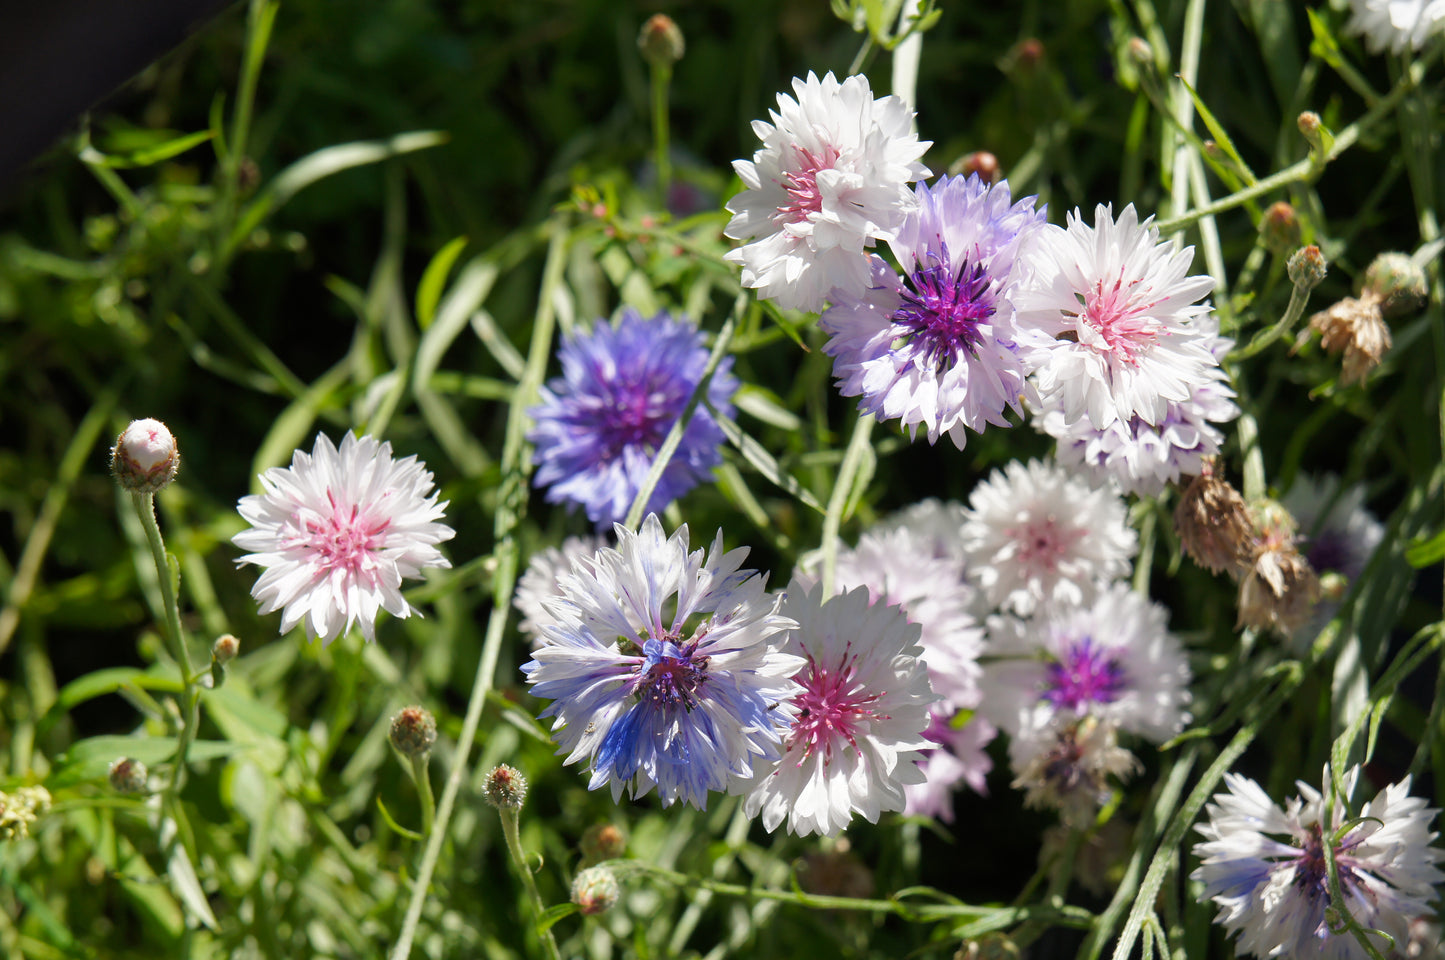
<point x="1112" y="322"/>
<point x="636" y="416"/>
<point x="670" y="675"/>
<point x="1312" y="873"/>
<point x="1084" y="675"/>
<point x="801" y="184"/>
<point x="1043" y="543"/>
<point x="1328" y="551"/>
<point x="832" y="707"/>
<point x="346" y="539"/>
<point x="940" y="314"/>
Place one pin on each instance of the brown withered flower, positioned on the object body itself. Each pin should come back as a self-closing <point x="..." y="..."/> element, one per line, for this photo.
<point x="1355" y="328"/>
<point x="1279" y="589"/>
<point x="1213" y="523"/>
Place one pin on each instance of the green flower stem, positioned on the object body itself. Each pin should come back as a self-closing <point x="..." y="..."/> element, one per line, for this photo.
<point x="1298" y="297"/>
<point x="511" y="505"/>
<point x="838" y="500"/>
<point x="661" y="83"/>
<point x="514" y="846"/>
<point x="422" y="776"/>
<point x="145" y="506"/>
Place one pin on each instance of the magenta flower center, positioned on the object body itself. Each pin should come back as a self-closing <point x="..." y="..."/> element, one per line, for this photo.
<point x="940" y="314"/>
<point x="1113" y="322"/>
<point x="635" y="416"/>
<point x="833" y="707"/>
<point x="1084" y="675"/>
<point x="1041" y="544"/>
<point x="670" y="675"/>
<point x="345" y="539"/>
<point x="804" y="196"/>
<point x="1312" y="873"/>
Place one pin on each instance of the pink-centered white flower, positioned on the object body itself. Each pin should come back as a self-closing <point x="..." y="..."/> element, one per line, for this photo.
<point x="1266" y="869"/>
<point x="830" y="179"/>
<point x="337" y="532"/>
<point x="858" y="723"/>
<point x="1112" y="311"/>
<point x="1036" y="533"/>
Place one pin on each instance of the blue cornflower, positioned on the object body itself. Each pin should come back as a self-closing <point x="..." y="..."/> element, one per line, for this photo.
<point x="622" y="388"/>
<point x="938" y="347"/>
<point x="665" y="667"/>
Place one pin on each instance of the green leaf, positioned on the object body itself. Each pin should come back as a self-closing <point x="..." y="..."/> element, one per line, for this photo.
<point x="1217" y="131"/>
<point x="1425" y="552"/>
<point x="183" y="876"/>
<point x="434" y="278"/>
<point x="149" y="156"/>
<point x="90" y="759"/>
<point x="762" y="461"/>
<point x="391" y="822"/>
<point x="554" y="913"/>
<point x="100" y="683"/>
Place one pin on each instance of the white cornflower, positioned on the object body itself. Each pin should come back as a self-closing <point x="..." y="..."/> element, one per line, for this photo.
<point x="936" y="525"/>
<point x="857" y="728"/>
<point x="1035" y="533"/>
<point x="830" y="179"/>
<point x="337" y="532"/>
<point x="539" y="581"/>
<point x="1143" y="457"/>
<point x="1111" y="315"/>
<point x="1395" y="25"/>
<point x="1265" y="868"/>
<point x="1114" y="659"/>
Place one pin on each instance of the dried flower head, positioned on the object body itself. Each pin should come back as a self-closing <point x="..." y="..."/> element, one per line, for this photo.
<point x="413" y="731"/>
<point x="1356" y="329"/>
<point x="1066" y="766"/>
<point x="1279" y="588"/>
<point x="505" y="788"/>
<point x="1213" y="525"/>
<point x="144" y="457"/>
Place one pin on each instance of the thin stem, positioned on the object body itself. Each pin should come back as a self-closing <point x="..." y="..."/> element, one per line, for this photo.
<point x="514" y="846"/>
<point x="1298" y="297"/>
<point x="661" y="82"/>
<point x="145" y="506"/>
<point x="420" y="773"/>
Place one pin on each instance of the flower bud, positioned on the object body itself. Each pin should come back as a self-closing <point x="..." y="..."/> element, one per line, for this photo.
<point x="982" y="164"/>
<point x="602" y="841"/>
<point x="1140" y="52"/>
<point x="128" y="775"/>
<point x="144" y="457"/>
<point x="1306" y="267"/>
<point x="225" y="648"/>
<point x="413" y="731"/>
<point x="595" y="890"/>
<point x="661" y="41"/>
<point x="1315" y="132"/>
<point x="20" y="809"/>
<point x="506" y="787"/>
<point x="1279" y="228"/>
<point x="1029" y="53"/>
<point x="1398" y="282"/>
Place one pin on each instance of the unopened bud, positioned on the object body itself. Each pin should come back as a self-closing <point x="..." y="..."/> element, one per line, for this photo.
<point x="505" y="787"/>
<point x="128" y="775"/>
<point x="144" y="457"/>
<point x="661" y="41"/>
<point x="413" y="731"/>
<point x="1398" y="282"/>
<point x="1029" y="52"/>
<point x="981" y="164"/>
<point x="225" y="648"/>
<point x="1279" y="228"/>
<point x="595" y="890"/>
<point x="1140" y="52"/>
<point x="602" y="841"/>
<point x="1313" y="129"/>
<point x="1306" y="267"/>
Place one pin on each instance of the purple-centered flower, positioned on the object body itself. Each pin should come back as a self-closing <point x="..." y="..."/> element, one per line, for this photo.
<point x="665" y="667"/>
<point x="1083" y="674"/>
<point x="622" y="388"/>
<point x="937" y="347"/>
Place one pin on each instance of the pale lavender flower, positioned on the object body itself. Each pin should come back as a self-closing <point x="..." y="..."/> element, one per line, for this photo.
<point x="622" y="389"/>
<point x="337" y="532"/>
<point x="1265" y="868"/>
<point x="1113" y="658"/>
<point x="665" y="668"/>
<point x="1036" y="533"/>
<point x="857" y="727"/>
<point x="1113" y="319"/>
<point x="1396" y="25"/>
<point x="830" y="179"/>
<point x="539" y="581"/>
<point x="956" y="756"/>
<point x="938" y="347"/>
<point x="1336" y="531"/>
<point x="1143" y="457"/>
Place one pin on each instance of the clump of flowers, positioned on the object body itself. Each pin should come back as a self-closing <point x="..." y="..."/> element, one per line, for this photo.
<point x="21" y="808"/>
<point x="938" y="347"/>
<point x="337" y="532"/>
<point x="856" y="724"/>
<point x="830" y="180"/>
<point x="1265" y="867"/>
<point x="622" y="389"/>
<point x="665" y="667"/>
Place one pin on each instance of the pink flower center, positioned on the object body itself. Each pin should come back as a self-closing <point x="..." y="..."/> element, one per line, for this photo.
<point x="802" y="184"/>
<point x="1043" y="543"/>
<point x="833" y="707"/>
<point x="1113" y="322"/>
<point x="344" y="540"/>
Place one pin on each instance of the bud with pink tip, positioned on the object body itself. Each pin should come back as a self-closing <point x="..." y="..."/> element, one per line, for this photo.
<point x="144" y="457"/>
<point x="505" y="788"/>
<point x="595" y="890"/>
